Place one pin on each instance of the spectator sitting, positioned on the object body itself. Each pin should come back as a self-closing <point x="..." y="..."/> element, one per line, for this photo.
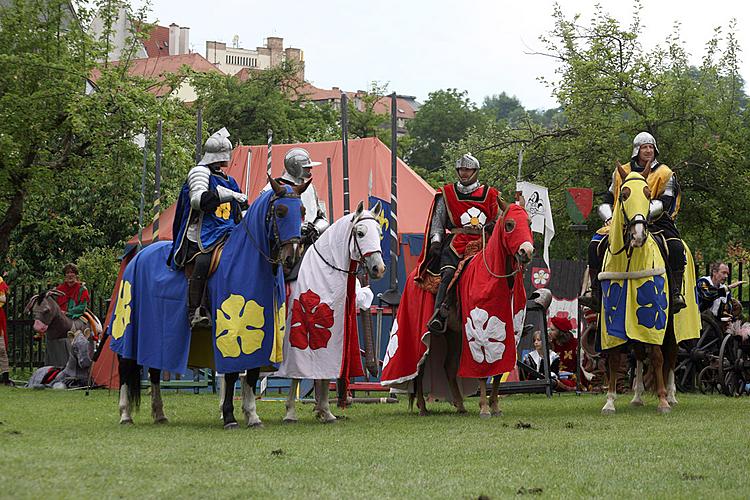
<point x="534" y="369"/>
<point x="713" y="293"/>
<point x="563" y="342"/>
<point x="76" y="297"/>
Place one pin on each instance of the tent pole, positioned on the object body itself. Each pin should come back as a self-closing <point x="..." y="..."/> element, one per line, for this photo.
<point x="142" y="204"/>
<point x="331" y="219"/>
<point x="157" y="183"/>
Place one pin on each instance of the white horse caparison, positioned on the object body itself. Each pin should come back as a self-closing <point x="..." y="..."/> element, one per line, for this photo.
<point x="330" y="260"/>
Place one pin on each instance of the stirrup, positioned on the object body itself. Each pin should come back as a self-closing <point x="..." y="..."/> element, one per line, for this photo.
<point x="437" y="323"/>
<point x="678" y="303"/>
<point x="200" y="319"/>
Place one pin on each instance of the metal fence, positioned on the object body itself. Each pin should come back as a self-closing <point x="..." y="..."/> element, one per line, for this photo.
<point x="24" y="350"/>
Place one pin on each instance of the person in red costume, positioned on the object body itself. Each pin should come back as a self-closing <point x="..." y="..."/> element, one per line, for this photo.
<point x="76" y="297"/>
<point x="565" y="345"/>
<point x="460" y="212"/>
<point x="4" y="365"/>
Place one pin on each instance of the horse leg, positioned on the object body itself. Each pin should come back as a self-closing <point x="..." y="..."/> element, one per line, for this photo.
<point x="613" y="362"/>
<point x="484" y="408"/>
<point x="638" y="384"/>
<point x="248" y="398"/>
<point x="669" y="349"/>
<point x="227" y="408"/>
<point x="157" y="405"/>
<point x="323" y="408"/>
<point x="452" y="359"/>
<point x="657" y="362"/>
<point x="419" y="389"/>
<point x="130" y="388"/>
<point x="494" y="399"/>
<point x="291" y="412"/>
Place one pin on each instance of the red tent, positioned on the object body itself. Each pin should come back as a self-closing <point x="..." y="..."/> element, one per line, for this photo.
<point x="369" y="164"/>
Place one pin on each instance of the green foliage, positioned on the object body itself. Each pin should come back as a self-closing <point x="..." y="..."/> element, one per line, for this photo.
<point x="364" y="118"/>
<point x="447" y="115"/>
<point x="98" y="268"/>
<point x="609" y="89"/>
<point x="559" y="447"/>
<point x="267" y="99"/>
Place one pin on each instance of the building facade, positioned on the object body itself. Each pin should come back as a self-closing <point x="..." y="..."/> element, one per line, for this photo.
<point x="233" y="59"/>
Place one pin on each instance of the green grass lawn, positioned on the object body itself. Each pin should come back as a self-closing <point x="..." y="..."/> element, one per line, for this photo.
<point x="67" y="445"/>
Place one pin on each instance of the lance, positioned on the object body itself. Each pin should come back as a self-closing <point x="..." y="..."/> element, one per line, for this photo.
<point x="142" y="205"/>
<point x="345" y="147"/>
<point x="270" y="145"/>
<point x="198" y="136"/>
<point x="157" y="183"/>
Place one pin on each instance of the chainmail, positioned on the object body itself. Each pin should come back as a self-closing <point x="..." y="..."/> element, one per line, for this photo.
<point x="467" y="189"/>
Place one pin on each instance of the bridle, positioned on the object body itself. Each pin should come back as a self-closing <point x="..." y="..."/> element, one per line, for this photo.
<point x="520" y="267"/>
<point x="272" y="219"/>
<point x="629" y="222"/>
<point x="357" y="247"/>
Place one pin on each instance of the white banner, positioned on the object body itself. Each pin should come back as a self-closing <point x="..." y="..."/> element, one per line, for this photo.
<point x="540" y="212"/>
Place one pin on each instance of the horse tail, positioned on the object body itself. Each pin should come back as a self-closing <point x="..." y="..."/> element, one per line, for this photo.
<point x="130" y="374"/>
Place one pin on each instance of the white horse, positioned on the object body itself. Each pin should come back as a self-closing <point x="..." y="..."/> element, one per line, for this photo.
<point x="321" y="339"/>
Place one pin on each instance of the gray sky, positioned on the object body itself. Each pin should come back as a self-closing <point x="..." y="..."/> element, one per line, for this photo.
<point x="418" y="46"/>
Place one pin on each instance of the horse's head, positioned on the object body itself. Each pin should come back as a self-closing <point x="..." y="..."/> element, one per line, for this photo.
<point x="515" y="232"/>
<point x="364" y="243"/>
<point x="44" y="308"/>
<point x="285" y="216"/>
<point x="633" y="204"/>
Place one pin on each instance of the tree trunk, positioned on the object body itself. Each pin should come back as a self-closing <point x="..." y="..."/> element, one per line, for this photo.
<point x="14" y="213"/>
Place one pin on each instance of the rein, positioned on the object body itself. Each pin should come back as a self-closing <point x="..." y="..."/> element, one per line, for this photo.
<point x="628" y="223"/>
<point x="352" y="235"/>
<point x="270" y="216"/>
<point x="486" y="265"/>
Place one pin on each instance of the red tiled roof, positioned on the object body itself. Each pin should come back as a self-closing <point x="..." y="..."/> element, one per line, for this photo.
<point x="383" y="106"/>
<point x="157" y="67"/>
<point x="157" y="44"/>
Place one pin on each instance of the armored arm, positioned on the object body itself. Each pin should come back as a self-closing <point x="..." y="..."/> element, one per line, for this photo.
<point x="665" y="202"/>
<point x="203" y="198"/>
<point x="439" y="222"/>
<point x="608" y="200"/>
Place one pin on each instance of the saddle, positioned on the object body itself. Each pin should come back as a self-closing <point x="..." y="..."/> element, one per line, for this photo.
<point x="430" y="282"/>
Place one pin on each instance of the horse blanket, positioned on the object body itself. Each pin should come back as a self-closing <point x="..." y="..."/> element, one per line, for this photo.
<point x="323" y="340"/>
<point x="637" y="307"/>
<point x="150" y="320"/>
<point x="492" y="315"/>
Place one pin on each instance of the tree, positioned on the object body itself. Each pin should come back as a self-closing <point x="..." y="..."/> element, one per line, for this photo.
<point x="364" y="120"/>
<point x="609" y="89"/>
<point x="267" y="99"/>
<point x="70" y="172"/>
<point x="446" y="116"/>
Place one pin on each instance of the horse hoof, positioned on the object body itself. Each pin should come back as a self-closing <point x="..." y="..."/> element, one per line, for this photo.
<point x="126" y="421"/>
<point x="162" y="420"/>
<point x="255" y="425"/>
<point x="290" y="421"/>
<point x="231" y="426"/>
<point x="484" y="415"/>
<point x="636" y="403"/>
<point x="663" y="410"/>
<point x="424" y="413"/>
<point x="608" y="411"/>
<point x="498" y="413"/>
<point x="673" y="403"/>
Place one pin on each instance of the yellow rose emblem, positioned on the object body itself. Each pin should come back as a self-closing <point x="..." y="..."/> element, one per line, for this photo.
<point x="122" y="311"/>
<point x="223" y="211"/>
<point x="239" y="326"/>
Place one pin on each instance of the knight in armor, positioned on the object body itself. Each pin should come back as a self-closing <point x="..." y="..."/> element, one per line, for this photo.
<point x="665" y="204"/>
<point x="298" y="170"/>
<point x="714" y="294"/>
<point x="460" y="212"/>
<point x="209" y="207"/>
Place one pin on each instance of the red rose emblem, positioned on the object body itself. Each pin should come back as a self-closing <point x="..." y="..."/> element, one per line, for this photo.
<point x="311" y="322"/>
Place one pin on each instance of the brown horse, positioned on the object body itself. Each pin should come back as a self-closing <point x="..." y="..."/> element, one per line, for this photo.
<point x="498" y="270"/>
<point x="635" y="310"/>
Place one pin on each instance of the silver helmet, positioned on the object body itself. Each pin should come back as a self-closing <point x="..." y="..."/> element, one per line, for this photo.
<point x="640" y="140"/>
<point x="467" y="161"/>
<point x="217" y="149"/>
<point x="296" y="160"/>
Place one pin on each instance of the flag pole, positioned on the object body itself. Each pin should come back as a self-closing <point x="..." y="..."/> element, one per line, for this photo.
<point x="392" y="296"/>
